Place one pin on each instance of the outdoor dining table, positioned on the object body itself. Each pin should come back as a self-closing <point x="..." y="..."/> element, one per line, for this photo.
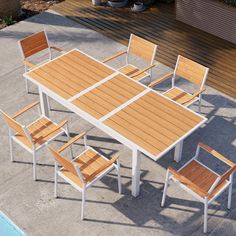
<point x="137" y="116"/>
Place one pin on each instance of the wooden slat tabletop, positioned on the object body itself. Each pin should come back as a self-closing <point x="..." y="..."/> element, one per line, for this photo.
<point x="153" y="122"/>
<point x="108" y="96"/>
<point x="70" y="74"/>
<point x="149" y="120"/>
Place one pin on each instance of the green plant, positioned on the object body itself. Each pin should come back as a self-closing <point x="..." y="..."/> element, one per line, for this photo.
<point x="8" y="20"/>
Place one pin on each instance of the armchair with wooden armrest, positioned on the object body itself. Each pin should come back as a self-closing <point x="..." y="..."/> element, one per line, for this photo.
<point x="85" y="169"/>
<point x="33" y="44"/>
<point x="140" y="48"/>
<point x="201" y="181"/>
<point x="36" y="135"/>
<point x="188" y="70"/>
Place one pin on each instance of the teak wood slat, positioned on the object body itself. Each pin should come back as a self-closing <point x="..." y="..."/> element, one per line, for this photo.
<point x="199" y="175"/>
<point x="178" y="122"/>
<point x="142" y="130"/>
<point x="72" y="81"/>
<point x="141" y="48"/>
<point x="162" y="106"/>
<point x="34" y="43"/>
<point x="108" y="96"/>
<point x="178" y="95"/>
<point x="190" y="70"/>
<point x="131" y="70"/>
<point x="151" y="148"/>
<point x="70" y="74"/>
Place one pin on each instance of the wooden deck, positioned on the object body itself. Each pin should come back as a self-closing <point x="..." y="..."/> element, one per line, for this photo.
<point x="158" y="25"/>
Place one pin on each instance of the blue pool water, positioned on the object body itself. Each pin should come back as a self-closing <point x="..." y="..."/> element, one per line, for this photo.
<point x="8" y="228"/>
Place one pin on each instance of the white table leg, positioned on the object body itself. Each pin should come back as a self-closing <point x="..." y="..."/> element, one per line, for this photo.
<point x="136" y="159"/>
<point x="44" y="103"/>
<point x="178" y="151"/>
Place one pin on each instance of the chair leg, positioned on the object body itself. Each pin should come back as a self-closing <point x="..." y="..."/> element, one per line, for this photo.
<point x="199" y="104"/>
<point x="34" y="165"/>
<point x="230" y="191"/>
<point x="48" y="102"/>
<point x="55" y="180"/>
<point x="85" y="141"/>
<point x="27" y="85"/>
<point x="83" y="202"/>
<point x="68" y="138"/>
<point x="11" y="146"/>
<point x="165" y="189"/>
<point x="118" y="177"/>
<point x="205" y="216"/>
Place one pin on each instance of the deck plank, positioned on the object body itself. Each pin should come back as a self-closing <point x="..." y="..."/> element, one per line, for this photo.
<point x="158" y="25"/>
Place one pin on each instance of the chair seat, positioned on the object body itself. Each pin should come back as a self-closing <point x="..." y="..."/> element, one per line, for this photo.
<point x="40" y="130"/>
<point x="200" y="176"/>
<point x="90" y="162"/>
<point x="179" y="95"/>
<point x="129" y="70"/>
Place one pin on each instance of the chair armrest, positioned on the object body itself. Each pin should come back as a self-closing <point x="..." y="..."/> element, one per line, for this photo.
<point x="194" y="96"/>
<point x="25" y="109"/>
<point x="73" y="140"/>
<point x="143" y="70"/>
<point x="157" y="81"/>
<point x="216" y="154"/>
<point x="29" y="64"/>
<point x="182" y="179"/>
<point x="102" y="168"/>
<point x="59" y="126"/>
<point x="114" y="56"/>
<point x="58" y="49"/>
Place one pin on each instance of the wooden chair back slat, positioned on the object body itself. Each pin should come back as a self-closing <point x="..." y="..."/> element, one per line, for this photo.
<point x="141" y="48"/>
<point x="34" y="44"/>
<point x="14" y="125"/>
<point x="191" y="71"/>
<point x="63" y="162"/>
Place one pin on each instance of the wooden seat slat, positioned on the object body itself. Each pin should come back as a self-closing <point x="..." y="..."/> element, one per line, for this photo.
<point x="130" y="70"/>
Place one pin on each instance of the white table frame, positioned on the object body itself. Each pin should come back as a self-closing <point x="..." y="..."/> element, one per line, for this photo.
<point x="136" y="150"/>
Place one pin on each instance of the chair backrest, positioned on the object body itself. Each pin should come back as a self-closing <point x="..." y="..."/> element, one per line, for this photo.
<point x="14" y="125"/>
<point x="33" y="44"/>
<point x="142" y="48"/>
<point x="64" y="163"/>
<point x="225" y="176"/>
<point x="191" y="71"/>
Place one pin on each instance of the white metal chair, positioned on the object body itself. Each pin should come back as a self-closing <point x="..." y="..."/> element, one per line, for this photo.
<point x="201" y="181"/>
<point x="34" y="136"/>
<point x="188" y="70"/>
<point x="85" y="169"/>
<point x="32" y="45"/>
<point x="141" y="48"/>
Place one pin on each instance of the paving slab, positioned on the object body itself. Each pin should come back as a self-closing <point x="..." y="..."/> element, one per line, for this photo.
<point x="31" y="205"/>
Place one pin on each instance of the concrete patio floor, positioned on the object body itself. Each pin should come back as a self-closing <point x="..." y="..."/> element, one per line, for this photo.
<point x="31" y="205"/>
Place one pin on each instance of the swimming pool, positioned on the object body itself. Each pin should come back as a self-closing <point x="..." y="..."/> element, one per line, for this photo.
<point x="8" y="228"/>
